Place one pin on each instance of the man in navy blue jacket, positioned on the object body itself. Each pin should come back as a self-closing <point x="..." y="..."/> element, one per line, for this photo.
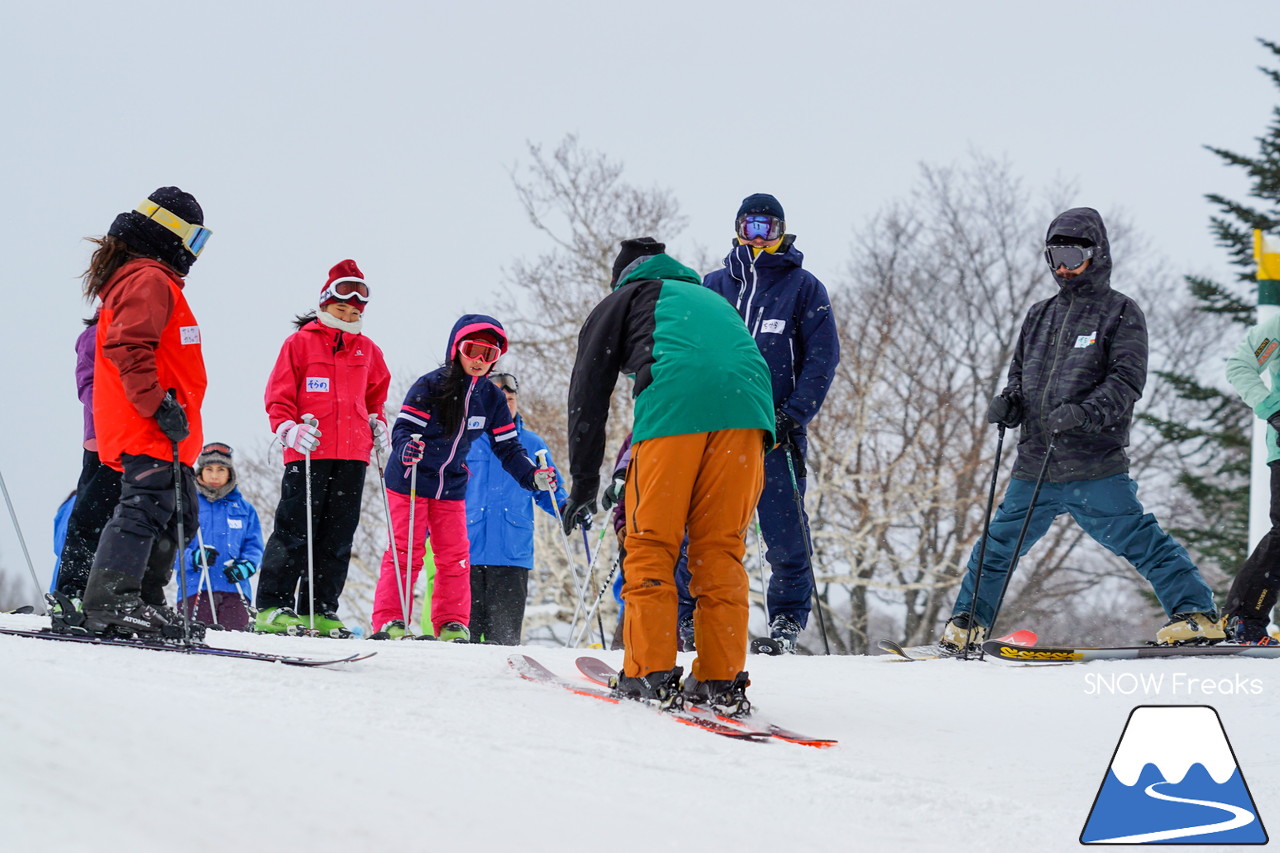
<point x="787" y="311"/>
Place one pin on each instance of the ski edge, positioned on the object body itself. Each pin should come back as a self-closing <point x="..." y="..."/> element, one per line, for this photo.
<point x="214" y="651"/>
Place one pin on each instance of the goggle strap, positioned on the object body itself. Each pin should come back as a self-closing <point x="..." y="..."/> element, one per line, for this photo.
<point x="193" y="236"/>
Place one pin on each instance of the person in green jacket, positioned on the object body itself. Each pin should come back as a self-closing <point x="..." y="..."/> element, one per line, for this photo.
<point x="1253" y="592"/>
<point x="703" y="421"/>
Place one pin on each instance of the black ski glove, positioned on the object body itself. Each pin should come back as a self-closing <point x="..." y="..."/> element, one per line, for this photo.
<point x="613" y="491"/>
<point x="238" y="570"/>
<point x="1005" y="409"/>
<point x="1069" y="417"/>
<point x="206" y="556"/>
<point x="1274" y="420"/>
<point x="577" y="513"/>
<point x="783" y="426"/>
<point x="171" y="418"/>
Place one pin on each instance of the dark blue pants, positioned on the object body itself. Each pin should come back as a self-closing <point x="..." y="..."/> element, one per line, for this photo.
<point x="783" y="525"/>
<point x="1110" y="512"/>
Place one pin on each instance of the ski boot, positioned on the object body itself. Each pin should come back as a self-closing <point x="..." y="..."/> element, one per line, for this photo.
<point x="126" y="619"/>
<point x="64" y="614"/>
<point x="454" y="632"/>
<point x="958" y="635"/>
<point x="726" y="698"/>
<point x="684" y="634"/>
<point x="1191" y="628"/>
<point x="279" y="620"/>
<point x="783" y="633"/>
<point x="393" y="630"/>
<point x="327" y="625"/>
<point x="660" y="688"/>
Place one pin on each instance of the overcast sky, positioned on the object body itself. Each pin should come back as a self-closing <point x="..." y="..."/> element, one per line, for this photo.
<point x="386" y="132"/>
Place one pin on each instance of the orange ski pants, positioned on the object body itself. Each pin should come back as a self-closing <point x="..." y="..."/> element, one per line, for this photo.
<point x="708" y="483"/>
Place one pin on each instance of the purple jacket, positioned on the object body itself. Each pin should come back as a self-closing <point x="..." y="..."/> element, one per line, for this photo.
<point x="84" y="381"/>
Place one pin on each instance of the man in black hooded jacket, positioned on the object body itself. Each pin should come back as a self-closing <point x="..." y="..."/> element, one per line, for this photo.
<point x="1079" y="367"/>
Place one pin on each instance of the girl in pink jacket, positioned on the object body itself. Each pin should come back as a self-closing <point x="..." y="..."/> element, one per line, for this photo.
<point x="325" y="397"/>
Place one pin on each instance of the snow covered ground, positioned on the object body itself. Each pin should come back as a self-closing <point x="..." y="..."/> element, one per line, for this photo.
<point x="434" y="747"/>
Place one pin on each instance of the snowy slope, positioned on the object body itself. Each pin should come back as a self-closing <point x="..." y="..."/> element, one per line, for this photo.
<point x="433" y="747"/>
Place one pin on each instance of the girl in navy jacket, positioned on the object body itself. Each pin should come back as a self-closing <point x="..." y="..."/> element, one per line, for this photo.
<point x="446" y="410"/>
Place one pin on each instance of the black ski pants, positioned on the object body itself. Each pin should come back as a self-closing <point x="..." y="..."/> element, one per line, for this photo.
<point x="498" y="595"/>
<point x="1254" y="590"/>
<point x="97" y="494"/>
<point x="336" y="489"/>
<point x="139" y="544"/>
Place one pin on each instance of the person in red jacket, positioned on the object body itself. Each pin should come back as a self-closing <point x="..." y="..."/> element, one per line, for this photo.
<point x="149" y="382"/>
<point x="325" y="397"/>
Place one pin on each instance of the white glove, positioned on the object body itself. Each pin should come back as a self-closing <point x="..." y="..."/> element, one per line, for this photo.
<point x="303" y="438"/>
<point x="545" y="479"/>
<point x="381" y="436"/>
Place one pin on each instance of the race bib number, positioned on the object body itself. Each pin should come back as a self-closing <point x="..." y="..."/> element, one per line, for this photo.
<point x="776" y="327"/>
<point x="235" y="523"/>
<point x="476" y="422"/>
<point x="318" y="384"/>
<point x="189" y="334"/>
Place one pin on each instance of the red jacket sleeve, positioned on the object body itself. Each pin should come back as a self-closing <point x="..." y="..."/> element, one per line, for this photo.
<point x="282" y="385"/>
<point x="140" y="309"/>
<point x="379" y="384"/>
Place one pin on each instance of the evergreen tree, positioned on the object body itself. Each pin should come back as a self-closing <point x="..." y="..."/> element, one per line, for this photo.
<point x="1216" y="443"/>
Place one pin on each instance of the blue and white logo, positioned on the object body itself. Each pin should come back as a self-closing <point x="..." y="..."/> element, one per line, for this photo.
<point x="1173" y="780"/>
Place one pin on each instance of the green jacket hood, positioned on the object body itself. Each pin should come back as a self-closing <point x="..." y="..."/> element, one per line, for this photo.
<point x="660" y="266"/>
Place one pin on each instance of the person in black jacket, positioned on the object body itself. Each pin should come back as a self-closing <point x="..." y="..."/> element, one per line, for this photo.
<point x="1079" y="366"/>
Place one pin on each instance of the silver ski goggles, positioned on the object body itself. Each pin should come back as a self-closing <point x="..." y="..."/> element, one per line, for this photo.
<point x="752" y="226"/>
<point x="1071" y="257"/>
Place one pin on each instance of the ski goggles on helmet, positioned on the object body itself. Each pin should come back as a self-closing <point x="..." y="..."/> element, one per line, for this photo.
<point x="752" y="226"/>
<point x="346" y="290"/>
<point x="1071" y="257"/>
<point x="193" y="236"/>
<point x="480" y="350"/>
<point x="506" y="381"/>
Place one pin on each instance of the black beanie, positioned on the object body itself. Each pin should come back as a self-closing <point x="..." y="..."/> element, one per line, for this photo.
<point x="154" y="240"/>
<point x="632" y="251"/>
<point x="760" y="204"/>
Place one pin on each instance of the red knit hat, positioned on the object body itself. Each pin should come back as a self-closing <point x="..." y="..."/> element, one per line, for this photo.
<point x="346" y="284"/>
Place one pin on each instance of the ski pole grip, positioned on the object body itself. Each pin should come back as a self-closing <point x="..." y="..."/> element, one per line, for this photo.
<point x="417" y="436"/>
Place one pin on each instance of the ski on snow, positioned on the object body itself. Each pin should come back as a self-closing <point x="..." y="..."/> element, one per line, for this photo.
<point x="528" y="668"/>
<point x="934" y="651"/>
<point x="599" y="672"/>
<point x="1024" y="653"/>
<point x="184" y="648"/>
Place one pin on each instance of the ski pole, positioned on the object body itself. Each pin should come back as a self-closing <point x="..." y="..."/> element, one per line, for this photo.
<point x="182" y="543"/>
<point x="21" y="540"/>
<point x="608" y="582"/>
<point x="391" y="538"/>
<point x="1026" y="522"/>
<point x="406" y="589"/>
<point x="586" y="586"/>
<point x="204" y="579"/>
<point x="986" y="530"/>
<point x="764" y="588"/>
<point x="541" y="456"/>
<point x="808" y="542"/>
<point x="311" y="557"/>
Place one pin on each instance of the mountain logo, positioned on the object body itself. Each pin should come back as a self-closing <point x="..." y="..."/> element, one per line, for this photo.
<point x="1173" y="779"/>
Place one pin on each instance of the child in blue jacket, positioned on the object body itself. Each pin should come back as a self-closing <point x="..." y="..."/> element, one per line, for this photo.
<point x="500" y="529"/>
<point x="229" y="545"/>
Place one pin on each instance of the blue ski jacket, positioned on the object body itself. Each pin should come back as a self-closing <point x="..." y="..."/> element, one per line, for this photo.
<point x="499" y="510"/>
<point x="442" y="472"/>
<point x="788" y="312"/>
<point x="231" y="525"/>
